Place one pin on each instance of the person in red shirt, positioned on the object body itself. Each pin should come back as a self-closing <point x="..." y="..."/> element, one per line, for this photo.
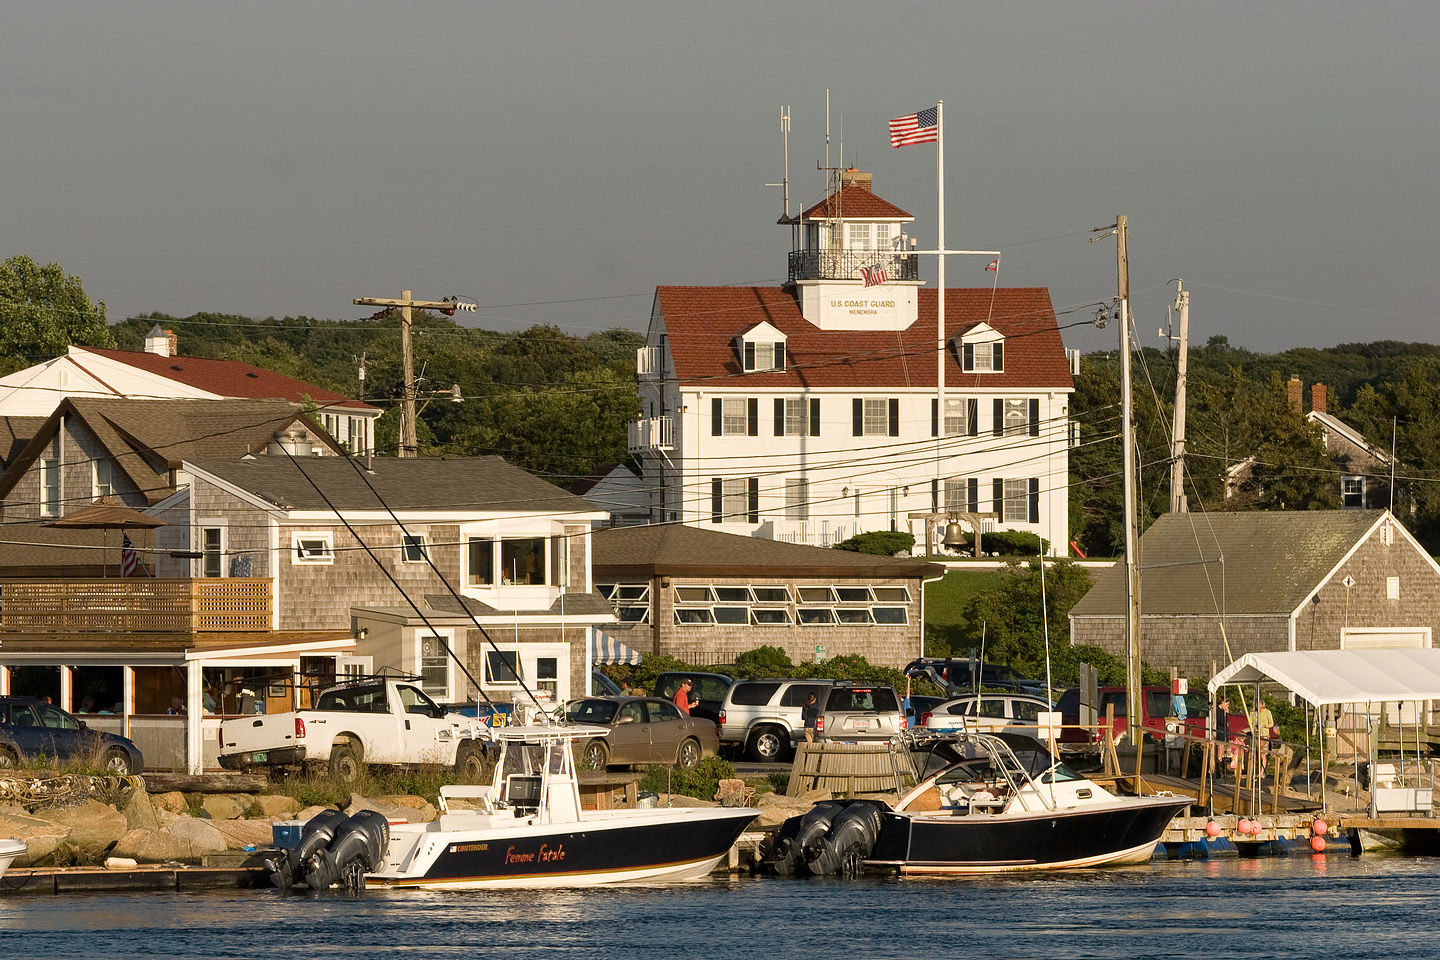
<point x="683" y="700"/>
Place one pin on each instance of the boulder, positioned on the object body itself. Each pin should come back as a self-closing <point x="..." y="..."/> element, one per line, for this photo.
<point x="94" y="826"/>
<point x="202" y="835"/>
<point x="776" y="808"/>
<point x="310" y="813"/>
<point x="42" y="837"/>
<point x="225" y="806"/>
<point x="276" y="805"/>
<point x="140" y="812"/>
<point x="154" y="846"/>
<point x="173" y="800"/>
<point x="395" y="807"/>
<point x="240" y="834"/>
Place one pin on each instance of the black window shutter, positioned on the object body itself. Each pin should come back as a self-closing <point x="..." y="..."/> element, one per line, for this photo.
<point x="972" y="495"/>
<point x="998" y="487"/>
<point x="752" y="416"/>
<point x="972" y="417"/>
<point x="999" y="356"/>
<point x="814" y="416"/>
<point x="1034" y="499"/>
<point x="753" y="496"/>
<point x="999" y="426"/>
<point x="934" y="418"/>
<point x="934" y="496"/>
<point x="780" y="355"/>
<point x="749" y="355"/>
<point x="717" y="500"/>
<point x="779" y="416"/>
<point x="859" y="416"/>
<point x="969" y="362"/>
<point x="894" y="416"/>
<point x="1034" y="417"/>
<point x="717" y="418"/>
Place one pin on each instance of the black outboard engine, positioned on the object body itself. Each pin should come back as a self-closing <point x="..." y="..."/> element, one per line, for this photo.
<point x="801" y="834"/>
<point x="358" y="847"/>
<point x="850" y="839"/>
<point x="289" y="867"/>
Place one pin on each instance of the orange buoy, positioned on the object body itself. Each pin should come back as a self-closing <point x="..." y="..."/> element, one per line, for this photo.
<point x="1317" y="843"/>
<point x="1212" y="829"/>
<point x="1244" y="825"/>
<point x="1320" y="828"/>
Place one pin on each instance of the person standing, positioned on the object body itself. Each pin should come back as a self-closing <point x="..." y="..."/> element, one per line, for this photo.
<point x="682" y="698"/>
<point x="810" y="715"/>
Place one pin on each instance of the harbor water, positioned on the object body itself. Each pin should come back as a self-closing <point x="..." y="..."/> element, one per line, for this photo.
<point x="1373" y="906"/>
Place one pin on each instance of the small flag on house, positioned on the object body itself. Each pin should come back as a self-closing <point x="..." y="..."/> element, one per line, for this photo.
<point x="129" y="559"/>
<point x="993" y="265"/>
<point x="874" y="275"/>
<point x="921" y="127"/>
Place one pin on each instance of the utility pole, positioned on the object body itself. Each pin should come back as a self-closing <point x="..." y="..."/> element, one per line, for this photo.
<point x="409" y="441"/>
<point x="1178" y="502"/>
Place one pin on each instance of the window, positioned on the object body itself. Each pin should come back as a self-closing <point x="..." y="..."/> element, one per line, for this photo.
<point x="764" y="355"/>
<point x="797" y="416"/>
<point x="962" y="416"/>
<point x="1392" y="588"/>
<point x="1017" y="417"/>
<point x="797" y="499"/>
<point x="50" y="487"/>
<point x="412" y="548"/>
<point x="103" y="485"/>
<point x="734" y="417"/>
<point x="735" y="499"/>
<point x="876" y="420"/>
<point x="521" y="561"/>
<point x="1352" y="492"/>
<point x="859" y="236"/>
<point x="547" y="676"/>
<point x="961" y="494"/>
<point x="212" y="551"/>
<point x="983" y="357"/>
<point x="733" y="421"/>
<point x="1016" y="506"/>
<point x="312" y="548"/>
<point x="434" y="664"/>
<point x="357" y="435"/>
<point x="502" y="667"/>
<point x="770" y="617"/>
<point x="882" y="236"/>
<point x="481" y="567"/>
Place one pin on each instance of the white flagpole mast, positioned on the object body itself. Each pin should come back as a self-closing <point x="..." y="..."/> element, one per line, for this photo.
<point x="940" y="295"/>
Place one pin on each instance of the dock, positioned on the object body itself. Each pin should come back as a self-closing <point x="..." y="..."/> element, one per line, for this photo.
<point x="42" y="881"/>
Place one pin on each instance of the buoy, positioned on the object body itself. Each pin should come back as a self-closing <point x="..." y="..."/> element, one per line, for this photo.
<point x="1317" y="843"/>
<point x="1243" y="826"/>
<point x="1254" y="828"/>
<point x="1320" y="828"/>
<point x="1212" y="829"/>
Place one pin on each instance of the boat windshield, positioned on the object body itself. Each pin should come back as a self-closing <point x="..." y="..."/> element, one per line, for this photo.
<point x="1060" y="774"/>
<point x="599" y="712"/>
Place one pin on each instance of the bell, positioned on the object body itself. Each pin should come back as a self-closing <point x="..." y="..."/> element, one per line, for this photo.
<point x="954" y="535"/>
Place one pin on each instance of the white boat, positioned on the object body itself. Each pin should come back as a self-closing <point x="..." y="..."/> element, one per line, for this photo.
<point x="524" y="829"/>
<point x="9" y="850"/>
<point x="985" y="804"/>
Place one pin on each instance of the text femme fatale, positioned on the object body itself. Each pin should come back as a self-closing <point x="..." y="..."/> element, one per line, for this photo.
<point x="546" y="854"/>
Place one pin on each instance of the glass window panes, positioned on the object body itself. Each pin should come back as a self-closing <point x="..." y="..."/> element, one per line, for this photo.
<point x="639" y="614"/>
<point x="210" y="550"/>
<point x="1024" y="710"/>
<point x="732" y="594"/>
<point x="957" y="495"/>
<point x="770" y="616"/>
<point x="50" y="482"/>
<point x="481" y="554"/>
<point x="1017" y="501"/>
<point x="860" y="236"/>
<point x="689" y="615"/>
<point x="434" y="666"/>
<point x="732" y="615"/>
<point x="734" y="416"/>
<point x="957" y="417"/>
<point x="890" y="615"/>
<point x="632" y="591"/>
<point x="891" y="594"/>
<point x="693" y="594"/>
<point x="811" y="615"/>
<point x="522" y="562"/>
<point x="876" y="417"/>
<point x="797" y="416"/>
<point x="311" y="550"/>
<point x="853" y="594"/>
<point x="816" y="594"/>
<point x="502" y="666"/>
<point x="852" y="615"/>
<point x="771" y="594"/>
<point x="735" y="498"/>
<point x="103" y="486"/>
<point x="764" y="355"/>
<point x="797" y="499"/>
<point x="1017" y="417"/>
<point x="412" y="548"/>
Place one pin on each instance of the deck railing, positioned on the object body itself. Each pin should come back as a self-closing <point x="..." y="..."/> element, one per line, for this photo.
<point x="137" y="604"/>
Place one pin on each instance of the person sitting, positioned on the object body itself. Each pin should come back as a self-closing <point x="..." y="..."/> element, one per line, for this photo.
<point x="177" y="707"/>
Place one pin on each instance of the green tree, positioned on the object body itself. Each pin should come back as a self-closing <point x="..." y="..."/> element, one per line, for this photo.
<point x="43" y="310"/>
<point x="1014" y="618"/>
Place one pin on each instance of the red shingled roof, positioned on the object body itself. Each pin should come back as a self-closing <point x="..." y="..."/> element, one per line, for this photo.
<point x="231" y="378"/>
<point x="702" y="322"/>
<point x="854" y="201"/>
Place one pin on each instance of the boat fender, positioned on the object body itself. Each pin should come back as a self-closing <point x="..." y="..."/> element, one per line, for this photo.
<point x="850" y="839"/>
<point x="357" y="849"/>
<point x="288" y="867"/>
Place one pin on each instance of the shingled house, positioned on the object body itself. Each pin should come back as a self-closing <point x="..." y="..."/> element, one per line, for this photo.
<point x="1215" y="586"/>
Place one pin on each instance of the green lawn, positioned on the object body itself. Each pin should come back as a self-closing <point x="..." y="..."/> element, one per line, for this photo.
<point x="945" y="600"/>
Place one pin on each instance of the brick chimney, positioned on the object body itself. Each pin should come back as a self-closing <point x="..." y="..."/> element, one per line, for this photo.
<point x="856" y="178"/>
<point x="1318" y="397"/>
<point x="1296" y="389"/>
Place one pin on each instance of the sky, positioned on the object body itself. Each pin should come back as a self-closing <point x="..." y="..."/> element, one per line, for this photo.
<point x="555" y="161"/>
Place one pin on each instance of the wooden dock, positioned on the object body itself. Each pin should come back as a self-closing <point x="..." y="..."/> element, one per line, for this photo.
<point x="55" y="880"/>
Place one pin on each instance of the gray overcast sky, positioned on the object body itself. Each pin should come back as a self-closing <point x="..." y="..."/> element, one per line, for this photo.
<point x="555" y="161"/>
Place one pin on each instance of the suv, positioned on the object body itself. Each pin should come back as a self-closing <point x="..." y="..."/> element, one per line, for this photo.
<point x="30" y="727"/>
<point x="853" y="711"/>
<point x="763" y="716"/>
<point x="709" y="689"/>
<point x="955" y="675"/>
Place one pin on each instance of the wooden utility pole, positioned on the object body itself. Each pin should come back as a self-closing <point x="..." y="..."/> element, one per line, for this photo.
<point x="1178" y="503"/>
<point x="1134" y="658"/>
<point x="409" y="441"/>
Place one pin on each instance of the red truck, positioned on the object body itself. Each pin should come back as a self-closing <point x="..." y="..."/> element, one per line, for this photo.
<point x="1156" y="702"/>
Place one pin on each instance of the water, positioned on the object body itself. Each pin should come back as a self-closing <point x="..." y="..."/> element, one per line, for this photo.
<point x="1374" y="906"/>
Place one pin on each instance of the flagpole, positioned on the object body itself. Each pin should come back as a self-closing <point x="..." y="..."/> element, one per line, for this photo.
<point x="940" y="295"/>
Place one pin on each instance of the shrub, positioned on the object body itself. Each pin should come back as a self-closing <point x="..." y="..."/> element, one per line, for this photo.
<point x="884" y="543"/>
<point x="702" y="782"/>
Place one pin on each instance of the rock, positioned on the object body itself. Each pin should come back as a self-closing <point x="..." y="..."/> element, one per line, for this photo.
<point x="225" y="806"/>
<point x="202" y="835"/>
<point x="154" y="846"/>
<point x="42" y="837"/>
<point x="140" y="812"/>
<point x="680" y="800"/>
<point x="276" y="805"/>
<point x="239" y="834"/>
<point x="310" y="813"/>
<point x="776" y="808"/>
<point x="174" y="801"/>
<point x="94" y="826"/>
<point x="414" y="809"/>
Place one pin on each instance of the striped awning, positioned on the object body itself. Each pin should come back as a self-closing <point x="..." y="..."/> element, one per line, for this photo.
<point x="606" y="649"/>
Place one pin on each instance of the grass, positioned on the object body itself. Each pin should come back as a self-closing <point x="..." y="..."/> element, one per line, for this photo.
<point x="946" y="599"/>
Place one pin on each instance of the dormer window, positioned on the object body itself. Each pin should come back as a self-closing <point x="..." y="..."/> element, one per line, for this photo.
<point x="764" y="356"/>
<point x="984" y="357"/>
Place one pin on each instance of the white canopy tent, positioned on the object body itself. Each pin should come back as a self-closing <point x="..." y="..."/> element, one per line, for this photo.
<point x="1334" y="677"/>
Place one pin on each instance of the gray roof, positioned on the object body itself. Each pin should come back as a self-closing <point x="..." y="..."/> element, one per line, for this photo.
<point x="1259" y="562"/>
<point x="643" y="552"/>
<point x="486" y="484"/>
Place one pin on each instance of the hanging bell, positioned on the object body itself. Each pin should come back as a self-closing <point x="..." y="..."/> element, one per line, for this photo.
<point x="954" y="535"/>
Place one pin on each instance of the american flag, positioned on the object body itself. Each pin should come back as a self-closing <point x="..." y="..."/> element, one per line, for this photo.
<point x="129" y="559"/>
<point x="919" y="127"/>
<point x="874" y="275"/>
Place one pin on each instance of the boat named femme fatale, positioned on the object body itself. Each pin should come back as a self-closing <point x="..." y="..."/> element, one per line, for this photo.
<point x="524" y="829"/>
<point x="9" y="850"/>
<point x="983" y="804"/>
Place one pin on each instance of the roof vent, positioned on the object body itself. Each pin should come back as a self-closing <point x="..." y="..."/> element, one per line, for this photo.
<point x="253" y="375"/>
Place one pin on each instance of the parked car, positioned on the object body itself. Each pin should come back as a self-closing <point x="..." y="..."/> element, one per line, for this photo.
<point x="860" y="712"/>
<point x="603" y="686"/>
<point x="763" y="716"/>
<point x="956" y="676"/>
<point x="642" y="730"/>
<point x="920" y="707"/>
<point x="1156" y="702"/>
<point x="988" y="713"/>
<point x="710" y="688"/>
<point x="30" y="727"/>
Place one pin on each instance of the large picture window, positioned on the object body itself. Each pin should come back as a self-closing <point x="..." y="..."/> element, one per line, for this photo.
<point x="516" y="561"/>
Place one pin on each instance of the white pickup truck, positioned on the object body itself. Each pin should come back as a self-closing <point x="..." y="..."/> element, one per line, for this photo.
<point x="379" y="721"/>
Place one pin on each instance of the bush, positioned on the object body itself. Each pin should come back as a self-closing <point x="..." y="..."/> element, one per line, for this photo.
<point x="764" y="661"/>
<point x="883" y="543"/>
<point x="702" y="782"/>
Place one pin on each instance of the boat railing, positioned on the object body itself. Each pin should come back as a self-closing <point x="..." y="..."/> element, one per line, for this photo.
<point x="483" y="796"/>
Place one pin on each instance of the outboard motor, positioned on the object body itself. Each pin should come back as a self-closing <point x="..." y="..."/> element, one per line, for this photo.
<point x="289" y="867"/>
<point x="358" y="847"/>
<point x="801" y="834"/>
<point x="850" y="839"/>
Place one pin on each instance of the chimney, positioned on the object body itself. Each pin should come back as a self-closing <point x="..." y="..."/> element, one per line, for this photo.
<point x="1296" y="389"/>
<point x="856" y="178"/>
<point x="172" y="342"/>
<point x="1318" y="398"/>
